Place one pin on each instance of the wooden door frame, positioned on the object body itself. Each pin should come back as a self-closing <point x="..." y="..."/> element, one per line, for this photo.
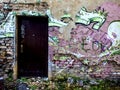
<point x="15" y="67"/>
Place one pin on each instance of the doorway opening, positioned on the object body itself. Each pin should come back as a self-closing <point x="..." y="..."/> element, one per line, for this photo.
<point x="32" y="46"/>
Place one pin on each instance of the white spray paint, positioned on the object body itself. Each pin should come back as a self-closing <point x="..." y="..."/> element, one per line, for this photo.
<point x="114" y="32"/>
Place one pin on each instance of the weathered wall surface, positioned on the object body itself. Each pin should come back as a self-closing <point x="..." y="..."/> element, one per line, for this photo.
<point x="72" y="6"/>
<point x="83" y="42"/>
<point x="59" y="7"/>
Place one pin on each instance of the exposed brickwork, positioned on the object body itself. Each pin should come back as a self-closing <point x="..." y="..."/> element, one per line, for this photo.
<point x="63" y="46"/>
<point x="6" y="56"/>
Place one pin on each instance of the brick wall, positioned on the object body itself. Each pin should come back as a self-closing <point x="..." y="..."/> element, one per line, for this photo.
<point x="57" y="8"/>
<point x="6" y="56"/>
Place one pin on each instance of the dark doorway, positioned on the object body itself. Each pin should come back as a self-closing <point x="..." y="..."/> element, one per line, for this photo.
<point x="32" y="46"/>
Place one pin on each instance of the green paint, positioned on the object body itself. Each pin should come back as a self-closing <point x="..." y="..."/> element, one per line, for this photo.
<point x="86" y="18"/>
<point x="83" y="69"/>
<point x="86" y="61"/>
<point x="1" y="16"/>
<point x="9" y="35"/>
<point x="117" y="52"/>
<point x="83" y="44"/>
<point x="66" y="16"/>
<point x="83" y="21"/>
<point x="11" y="22"/>
<point x="38" y="1"/>
<point x="55" y="39"/>
<point x="54" y="22"/>
<point x="60" y="57"/>
<point x="63" y="58"/>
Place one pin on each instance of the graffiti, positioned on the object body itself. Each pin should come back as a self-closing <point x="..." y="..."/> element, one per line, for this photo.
<point x="83" y="44"/>
<point x="16" y="1"/>
<point x="2" y="16"/>
<point x="86" y="61"/>
<point x="53" y="39"/>
<point x="7" y="26"/>
<point x="54" y="22"/>
<point x="97" y="44"/>
<point x="66" y="18"/>
<point x="86" y="18"/>
<point x="4" y="11"/>
<point x="90" y="39"/>
<point x="38" y="1"/>
<point x="114" y="32"/>
<point x="85" y="41"/>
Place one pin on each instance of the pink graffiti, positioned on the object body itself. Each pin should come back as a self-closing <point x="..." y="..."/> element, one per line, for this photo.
<point x="96" y="36"/>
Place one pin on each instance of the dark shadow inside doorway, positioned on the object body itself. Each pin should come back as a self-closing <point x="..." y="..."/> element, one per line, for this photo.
<point x="32" y="46"/>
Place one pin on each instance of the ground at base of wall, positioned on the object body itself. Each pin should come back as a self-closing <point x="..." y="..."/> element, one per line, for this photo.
<point x="62" y="82"/>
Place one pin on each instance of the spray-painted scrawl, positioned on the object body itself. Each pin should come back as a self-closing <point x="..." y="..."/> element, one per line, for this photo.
<point x="53" y="21"/>
<point x="114" y="32"/>
<point x="86" y="46"/>
<point x="85" y="17"/>
<point x="7" y="27"/>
